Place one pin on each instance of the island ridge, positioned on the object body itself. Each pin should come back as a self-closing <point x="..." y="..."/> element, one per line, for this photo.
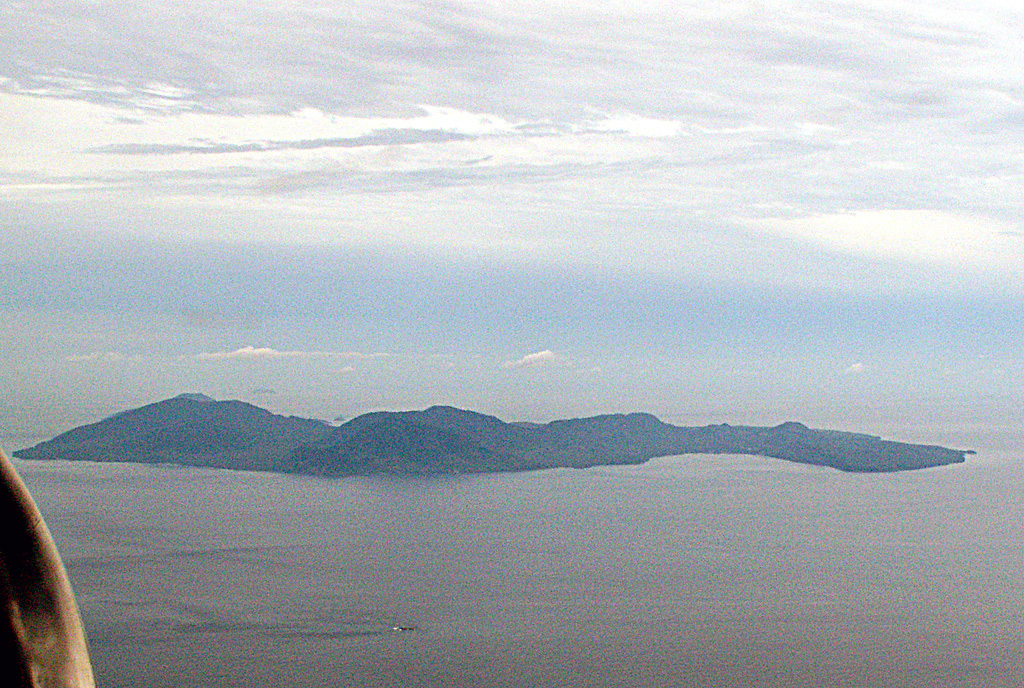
<point x="195" y="430"/>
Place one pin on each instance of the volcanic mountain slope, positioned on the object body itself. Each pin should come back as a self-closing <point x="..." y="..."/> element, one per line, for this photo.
<point x="190" y="429"/>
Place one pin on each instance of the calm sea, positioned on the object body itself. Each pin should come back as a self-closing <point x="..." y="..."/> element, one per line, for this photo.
<point x="688" y="571"/>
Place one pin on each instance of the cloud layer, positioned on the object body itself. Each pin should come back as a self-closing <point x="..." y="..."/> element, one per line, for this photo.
<point x="632" y="138"/>
<point x="732" y="199"/>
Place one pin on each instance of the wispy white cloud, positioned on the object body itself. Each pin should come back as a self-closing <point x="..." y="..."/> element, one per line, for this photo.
<point x="252" y="353"/>
<point x="69" y="145"/>
<point x="927" y="236"/>
<point x="539" y="358"/>
<point x="97" y="356"/>
<point x="634" y="125"/>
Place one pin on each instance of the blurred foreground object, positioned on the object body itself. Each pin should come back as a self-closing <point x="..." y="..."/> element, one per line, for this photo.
<point x="41" y="640"/>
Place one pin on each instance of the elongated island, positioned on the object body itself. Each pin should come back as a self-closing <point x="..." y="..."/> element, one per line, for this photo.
<point x="195" y="430"/>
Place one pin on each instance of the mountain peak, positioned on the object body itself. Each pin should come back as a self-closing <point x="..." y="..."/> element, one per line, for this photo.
<point x="195" y="396"/>
<point x="189" y="429"/>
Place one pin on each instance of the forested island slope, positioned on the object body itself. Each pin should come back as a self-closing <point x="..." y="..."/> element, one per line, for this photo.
<point x="191" y="430"/>
<point x="195" y="430"/>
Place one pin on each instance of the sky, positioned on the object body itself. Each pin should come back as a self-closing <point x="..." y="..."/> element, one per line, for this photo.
<point x="714" y="212"/>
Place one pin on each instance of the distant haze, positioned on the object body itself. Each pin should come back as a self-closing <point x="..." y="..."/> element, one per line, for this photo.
<point x="743" y="212"/>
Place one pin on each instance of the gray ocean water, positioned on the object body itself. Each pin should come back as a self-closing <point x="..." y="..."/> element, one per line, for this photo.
<point x="688" y="571"/>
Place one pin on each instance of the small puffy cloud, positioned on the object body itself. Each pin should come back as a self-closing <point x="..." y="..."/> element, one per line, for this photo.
<point x="545" y="357"/>
<point x="855" y="369"/>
